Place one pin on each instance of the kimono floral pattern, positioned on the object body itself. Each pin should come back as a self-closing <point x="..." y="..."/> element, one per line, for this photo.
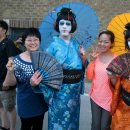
<point x="64" y="109"/>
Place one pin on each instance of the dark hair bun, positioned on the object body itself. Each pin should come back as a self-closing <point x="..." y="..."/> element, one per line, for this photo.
<point x="66" y="11"/>
<point x="127" y="26"/>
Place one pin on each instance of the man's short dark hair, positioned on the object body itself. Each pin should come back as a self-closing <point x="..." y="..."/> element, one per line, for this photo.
<point x="4" y="25"/>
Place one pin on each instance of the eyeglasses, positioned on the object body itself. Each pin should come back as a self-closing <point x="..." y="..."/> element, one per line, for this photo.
<point x="32" y="40"/>
<point x="68" y="23"/>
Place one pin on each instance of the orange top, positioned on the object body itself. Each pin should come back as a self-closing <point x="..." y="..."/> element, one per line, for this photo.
<point x="121" y="117"/>
<point x="100" y="91"/>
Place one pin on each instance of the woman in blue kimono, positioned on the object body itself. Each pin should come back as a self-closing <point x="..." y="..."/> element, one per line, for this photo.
<point x="64" y="109"/>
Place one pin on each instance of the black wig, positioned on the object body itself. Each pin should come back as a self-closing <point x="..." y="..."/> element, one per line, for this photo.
<point x="66" y="14"/>
<point x="127" y="35"/>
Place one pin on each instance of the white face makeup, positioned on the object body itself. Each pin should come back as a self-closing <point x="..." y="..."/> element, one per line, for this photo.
<point x="65" y="27"/>
<point x="129" y="44"/>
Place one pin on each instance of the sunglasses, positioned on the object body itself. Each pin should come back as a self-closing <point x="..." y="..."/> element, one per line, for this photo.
<point x="68" y="23"/>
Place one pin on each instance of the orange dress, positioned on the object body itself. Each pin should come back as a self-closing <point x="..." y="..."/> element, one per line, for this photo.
<point x="121" y="111"/>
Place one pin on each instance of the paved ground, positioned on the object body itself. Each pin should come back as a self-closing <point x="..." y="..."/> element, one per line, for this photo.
<point x="85" y="113"/>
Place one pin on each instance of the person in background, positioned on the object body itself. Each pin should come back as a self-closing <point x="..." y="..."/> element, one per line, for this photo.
<point x="7" y="95"/>
<point x="19" y="45"/>
<point x="100" y="92"/>
<point x="31" y="106"/>
<point x="64" y="110"/>
<point x="121" y="95"/>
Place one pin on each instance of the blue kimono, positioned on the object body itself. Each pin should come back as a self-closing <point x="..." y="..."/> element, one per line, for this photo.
<point x="64" y="109"/>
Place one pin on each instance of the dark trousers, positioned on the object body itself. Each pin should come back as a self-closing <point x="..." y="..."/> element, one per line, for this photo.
<point x="33" y="123"/>
<point x="101" y="119"/>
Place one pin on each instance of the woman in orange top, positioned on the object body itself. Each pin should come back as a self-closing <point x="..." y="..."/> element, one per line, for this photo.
<point x="121" y="96"/>
<point x="100" y="93"/>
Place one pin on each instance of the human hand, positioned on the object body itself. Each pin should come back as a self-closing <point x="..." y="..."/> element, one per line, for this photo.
<point x="82" y="51"/>
<point x="94" y="54"/>
<point x="10" y="64"/>
<point x="5" y="87"/>
<point x="129" y="77"/>
<point x="36" y="79"/>
<point x="19" y="40"/>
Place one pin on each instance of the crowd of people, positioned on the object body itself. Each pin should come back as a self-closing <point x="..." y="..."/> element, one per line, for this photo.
<point x="18" y="80"/>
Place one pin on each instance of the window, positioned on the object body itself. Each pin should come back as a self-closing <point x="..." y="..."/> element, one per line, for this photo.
<point x="15" y="33"/>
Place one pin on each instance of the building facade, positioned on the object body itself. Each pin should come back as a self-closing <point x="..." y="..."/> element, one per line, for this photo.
<point x="21" y="14"/>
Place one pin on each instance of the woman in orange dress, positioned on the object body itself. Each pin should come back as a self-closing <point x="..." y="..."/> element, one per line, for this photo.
<point x="121" y="96"/>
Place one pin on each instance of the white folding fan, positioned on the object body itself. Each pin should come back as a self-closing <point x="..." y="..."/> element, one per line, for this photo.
<point x="50" y="69"/>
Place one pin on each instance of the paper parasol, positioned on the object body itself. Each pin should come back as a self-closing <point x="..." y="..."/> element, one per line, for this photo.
<point x="87" y="24"/>
<point x="117" y="26"/>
